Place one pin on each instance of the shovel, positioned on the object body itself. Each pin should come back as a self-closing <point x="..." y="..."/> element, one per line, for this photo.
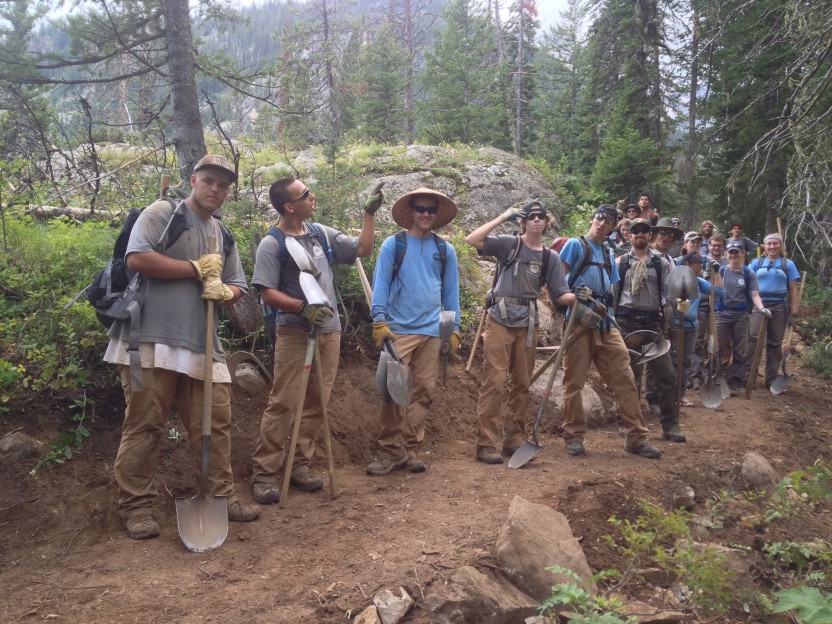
<point x="203" y="520"/>
<point x="394" y="379"/>
<point x="528" y="450"/>
<point x="715" y="388"/>
<point x="779" y="383"/>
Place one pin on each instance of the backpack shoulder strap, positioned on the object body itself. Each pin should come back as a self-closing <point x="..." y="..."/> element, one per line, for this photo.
<point x="323" y="239"/>
<point x="547" y="255"/>
<point x="401" y="249"/>
<point x="585" y="260"/>
<point x="657" y="264"/>
<point x="280" y="237"/>
<point x="442" y="248"/>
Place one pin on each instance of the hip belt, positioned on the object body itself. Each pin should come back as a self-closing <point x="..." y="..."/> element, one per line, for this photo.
<point x="638" y="316"/>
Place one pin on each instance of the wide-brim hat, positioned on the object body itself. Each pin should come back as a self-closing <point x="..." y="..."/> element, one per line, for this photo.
<point x="403" y="214"/>
<point x="215" y="161"/>
<point x="665" y="223"/>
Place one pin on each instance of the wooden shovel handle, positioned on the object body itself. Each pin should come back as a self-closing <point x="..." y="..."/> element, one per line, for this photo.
<point x="476" y="341"/>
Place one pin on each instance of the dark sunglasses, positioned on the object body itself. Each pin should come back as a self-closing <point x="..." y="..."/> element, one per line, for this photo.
<point x="667" y="233"/>
<point x="600" y="216"/>
<point x="536" y="216"/>
<point x="303" y="195"/>
<point x="640" y="230"/>
<point x="730" y="251"/>
<point x="426" y="209"/>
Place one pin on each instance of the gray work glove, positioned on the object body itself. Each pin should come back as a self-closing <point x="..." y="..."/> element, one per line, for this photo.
<point x="374" y="200"/>
<point x="583" y="293"/>
<point x="315" y="314"/>
<point x="513" y="213"/>
<point x="765" y="312"/>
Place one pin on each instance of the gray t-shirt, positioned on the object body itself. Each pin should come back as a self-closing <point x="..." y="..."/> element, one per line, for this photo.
<point x="521" y="279"/>
<point x="647" y="298"/>
<point x="268" y="269"/>
<point x="734" y="287"/>
<point x="174" y="311"/>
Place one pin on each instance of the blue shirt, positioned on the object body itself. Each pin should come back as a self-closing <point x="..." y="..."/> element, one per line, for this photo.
<point x="411" y="303"/>
<point x="595" y="275"/>
<point x="772" y="278"/>
<point x="692" y="315"/>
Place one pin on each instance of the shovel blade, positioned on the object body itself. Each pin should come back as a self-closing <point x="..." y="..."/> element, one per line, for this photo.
<point x="399" y="382"/>
<point x="202" y="521"/>
<point x="779" y="383"/>
<point x="710" y="394"/>
<point x="381" y="376"/>
<point x="524" y="454"/>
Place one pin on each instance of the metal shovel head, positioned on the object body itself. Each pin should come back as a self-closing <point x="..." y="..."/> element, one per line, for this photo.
<point x="524" y="454"/>
<point x="681" y="283"/>
<point x="202" y="521"/>
<point x="724" y="388"/>
<point x="710" y="394"/>
<point x="654" y="350"/>
<point x="312" y="290"/>
<point x="381" y="376"/>
<point x="399" y="382"/>
<point x="779" y="383"/>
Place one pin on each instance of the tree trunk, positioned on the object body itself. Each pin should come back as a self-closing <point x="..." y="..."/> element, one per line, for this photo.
<point x="518" y="87"/>
<point x="188" y="137"/>
<point x="334" y="108"/>
<point x="407" y="22"/>
<point x="693" y="187"/>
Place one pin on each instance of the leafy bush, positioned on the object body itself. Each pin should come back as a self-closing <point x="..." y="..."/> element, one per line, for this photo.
<point x="586" y="608"/>
<point x="813" y="606"/>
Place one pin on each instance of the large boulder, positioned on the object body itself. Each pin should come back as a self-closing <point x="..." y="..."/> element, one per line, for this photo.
<point x="533" y="538"/>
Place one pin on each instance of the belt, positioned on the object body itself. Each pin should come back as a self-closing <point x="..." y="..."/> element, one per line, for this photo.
<point x="773" y="299"/>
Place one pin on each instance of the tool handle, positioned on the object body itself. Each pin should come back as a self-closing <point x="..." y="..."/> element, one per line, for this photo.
<point x="365" y="283"/>
<point x="164" y="185"/>
<point x="476" y="341"/>
<point x="755" y="361"/>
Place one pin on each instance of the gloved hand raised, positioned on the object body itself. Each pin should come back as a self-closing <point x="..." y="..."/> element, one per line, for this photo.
<point x="683" y="306"/>
<point x="215" y="290"/>
<point x="765" y="312"/>
<point x="207" y="266"/>
<point x="374" y="200"/>
<point x="583" y="293"/>
<point x="315" y="314"/>
<point x="513" y="213"/>
<point x="380" y="333"/>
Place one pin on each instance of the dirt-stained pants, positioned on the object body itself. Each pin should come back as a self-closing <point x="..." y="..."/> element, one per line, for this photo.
<point x="403" y="429"/>
<point x="144" y="423"/>
<point x="733" y="325"/>
<point x="276" y="423"/>
<point x="688" y="346"/>
<point x="505" y="356"/>
<point x="607" y="350"/>
<point x="775" y="330"/>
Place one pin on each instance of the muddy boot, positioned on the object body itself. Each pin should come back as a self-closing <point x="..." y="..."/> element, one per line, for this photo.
<point x="413" y="463"/>
<point x="304" y="480"/>
<point x="265" y="493"/>
<point x="489" y="455"/>
<point x="242" y="512"/>
<point x="386" y="464"/>
<point x="141" y="527"/>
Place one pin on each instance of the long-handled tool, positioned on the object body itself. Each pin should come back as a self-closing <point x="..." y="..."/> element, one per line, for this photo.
<point x="710" y="392"/>
<point x="311" y="346"/>
<point x="755" y="360"/>
<point x="779" y="383"/>
<point x="203" y="520"/>
<point x="319" y="373"/>
<point x="680" y="361"/>
<point x="528" y="450"/>
<point x="476" y="341"/>
<point x="394" y="379"/>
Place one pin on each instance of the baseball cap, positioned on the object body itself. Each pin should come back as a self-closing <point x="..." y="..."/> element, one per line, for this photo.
<point x="734" y="245"/>
<point x="692" y="236"/>
<point x="609" y="212"/>
<point x="215" y="161"/>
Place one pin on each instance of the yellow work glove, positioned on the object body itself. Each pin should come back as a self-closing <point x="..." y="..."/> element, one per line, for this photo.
<point x="380" y="333"/>
<point x="315" y="314"/>
<point x="453" y="342"/>
<point x="207" y="266"/>
<point x="683" y="306"/>
<point x="215" y="290"/>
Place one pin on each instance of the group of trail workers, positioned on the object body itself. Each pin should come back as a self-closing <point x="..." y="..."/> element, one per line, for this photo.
<point x="614" y="280"/>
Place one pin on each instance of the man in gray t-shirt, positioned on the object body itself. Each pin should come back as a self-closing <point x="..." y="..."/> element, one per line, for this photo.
<point x="277" y="276"/>
<point x="177" y="277"/>
<point x="510" y="335"/>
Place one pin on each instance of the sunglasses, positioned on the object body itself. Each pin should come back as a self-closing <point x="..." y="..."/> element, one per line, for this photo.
<point x="303" y="195"/>
<point x="733" y="251"/>
<point x="640" y="230"/>
<point x="666" y="233"/>
<point x="536" y="216"/>
<point x="426" y="209"/>
<point x="600" y="216"/>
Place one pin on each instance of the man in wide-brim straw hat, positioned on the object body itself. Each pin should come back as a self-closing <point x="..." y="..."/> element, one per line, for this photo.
<point x="415" y="278"/>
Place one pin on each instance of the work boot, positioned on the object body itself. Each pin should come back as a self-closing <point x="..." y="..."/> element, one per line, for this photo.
<point x="265" y="493"/>
<point x="386" y="465"/>
<point x="733" y="389"/>
<point x="655" y="409"/>
<point x="575" y="447"/>
<point x="489" y="455"/>
<point x="141" y="527"/>
<point x="508" y="451"/>
<point x="674" y="434"/>
<point x="413" y="463"/>
<point x="304" y="480"/>
<point x="243" y="512"/>
<point x="645" y="450"/>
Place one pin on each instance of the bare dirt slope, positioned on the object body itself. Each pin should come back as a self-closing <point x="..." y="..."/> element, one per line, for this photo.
<point x="64" y="556"/>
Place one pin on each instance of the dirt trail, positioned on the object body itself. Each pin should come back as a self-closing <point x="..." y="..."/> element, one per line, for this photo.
<point x="64" y="555"/>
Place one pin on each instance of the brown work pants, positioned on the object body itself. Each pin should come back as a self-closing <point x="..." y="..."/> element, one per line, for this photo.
<point x="607" y="350"/>
<point x="144" y="423"/>
<point x="287" y="391"/>
<point x="403" y="429"/>
<point x="505" y="356"/>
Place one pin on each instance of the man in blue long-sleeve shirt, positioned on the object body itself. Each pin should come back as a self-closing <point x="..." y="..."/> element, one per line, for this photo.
<point x="415" y="278"/>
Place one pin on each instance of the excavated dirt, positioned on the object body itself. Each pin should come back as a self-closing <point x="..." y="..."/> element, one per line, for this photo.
<point x="64" y="556"/>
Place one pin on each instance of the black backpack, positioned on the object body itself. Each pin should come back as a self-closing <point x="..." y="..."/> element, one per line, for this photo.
<point x="115" y="288"/>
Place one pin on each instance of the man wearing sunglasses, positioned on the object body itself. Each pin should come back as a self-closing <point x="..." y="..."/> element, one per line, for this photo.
<point x="277" y="276"/>
<point x="510" y="335"/>
<point x="592" y="272"/>
<point x="415" y="278"/>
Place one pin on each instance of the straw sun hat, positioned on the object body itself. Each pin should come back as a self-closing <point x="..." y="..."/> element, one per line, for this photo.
<point x="403" y="214"/>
